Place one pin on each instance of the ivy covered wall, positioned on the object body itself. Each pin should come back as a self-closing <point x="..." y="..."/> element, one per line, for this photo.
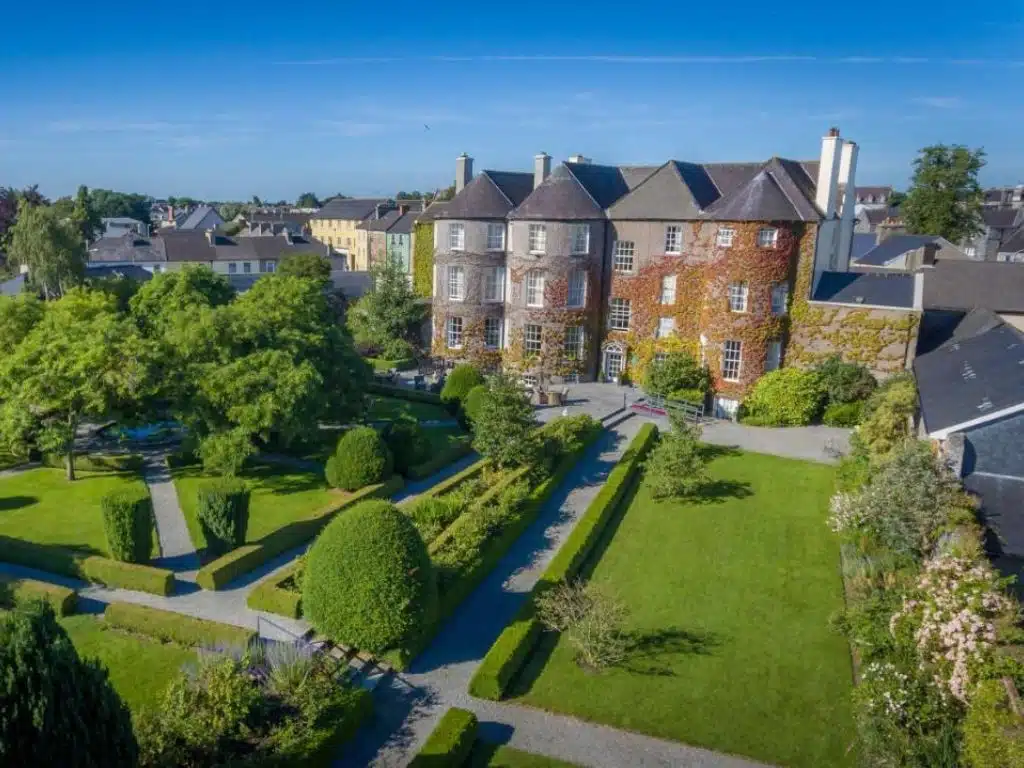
<point x="423" y="259"/>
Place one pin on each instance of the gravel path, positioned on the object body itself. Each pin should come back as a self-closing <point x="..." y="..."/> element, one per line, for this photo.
<point x="177" y="552"/>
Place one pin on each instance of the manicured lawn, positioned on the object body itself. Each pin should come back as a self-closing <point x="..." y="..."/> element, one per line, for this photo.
<point x="382" y="408"/>
<point x="280" y="495"/>
<point x="729" y="605"/>
<point x="140" y="668"/>
<point x="41" y="506"/>
<point x="486" y="755"/>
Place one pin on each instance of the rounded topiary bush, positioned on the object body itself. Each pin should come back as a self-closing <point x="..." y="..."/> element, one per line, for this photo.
<point x="408" y="444"/>
<point x="369" y="581"/>
<point x="787" y="397"/>
<point x="472" y="403"/>
<point x="360" y="459"/>
<point x="462" y="379"/>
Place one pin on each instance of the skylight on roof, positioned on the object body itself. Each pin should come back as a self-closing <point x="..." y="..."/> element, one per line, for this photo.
<point x="985" y="405"/>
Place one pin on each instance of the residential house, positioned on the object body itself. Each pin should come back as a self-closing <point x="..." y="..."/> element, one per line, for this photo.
<point x="116" y="226"/>
<point x="382" y="237"/>
<point x="592" y="269"/>
<point x="951" y="288"/>
<point x="400" y="240"/>
<point x="424" y="242"/>
<point x="904" y="252"/>
<point x="337" y="225"/>
<point x="203" y="219"/>
<point x="873" y="197"/>
<point x="871" y="219"/>
<point x="998" y="226"/>
<point x="1012" y="248"/>
<point x="1005" y="197"/>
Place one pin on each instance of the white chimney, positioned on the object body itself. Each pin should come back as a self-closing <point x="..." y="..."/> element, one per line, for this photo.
<point x="463" y="172"/>
<point x="828" y="173"/>
<point x="541" y="168"/>
<point x="580" y="159"/>
<point x="847" y="221"/>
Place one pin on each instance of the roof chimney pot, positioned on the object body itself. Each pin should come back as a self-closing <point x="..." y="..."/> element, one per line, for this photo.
<point x="541" y="168"/>
<point x="463" y="172"/>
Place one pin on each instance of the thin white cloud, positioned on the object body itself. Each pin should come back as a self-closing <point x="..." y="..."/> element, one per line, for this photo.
<point x="938" y="102"/>
<point x="109" y="126"/>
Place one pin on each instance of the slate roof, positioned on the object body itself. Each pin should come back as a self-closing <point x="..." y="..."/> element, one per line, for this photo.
<point x="349" y="209"/>
<point x="490" y="195"/>
<point x="862" y="243"/>
<point x="195" y="218"/>
<point x="194" y="246"/>
<point x="383" y="224"/>
<point x="1002" y="512"/>
<point x="871" y="288"/>
<point x="404" y="224"/>
<point x="971" y="375"/>
<point x="674" y="191"/>
<point x="1014" y="243"/>
<point x="876" y="216"/>
<point x="574" y="191"/>
<point x="860" y="191"/>
<point x="128" y="247"/>
<point x="433" y="211"/>
<point x="774" y="193"/>
<point x="130" y="271"/>
<point x="964" y="285"/>
<point x="892" y="248"/>
<point x="637" y="174"/>
<point x="999" y="218"/>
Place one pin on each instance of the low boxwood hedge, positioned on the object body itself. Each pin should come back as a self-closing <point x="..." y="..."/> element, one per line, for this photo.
<point x="170" y="627"/>
<point x="450" y="743"/>
<point x="13" y="590"/>
<point x="118" y="462"/>
<point x="404" y="393"/>
<point x="102" y="570"/>
<point x="381" y="364"/>
<point x="220" y="572"/>
<point x="270" y="597"/>
<point x="518" y="639"/>
<point x="453" y="482"/>
<point x="452" y="531"/>
<point x="452" y="453"/>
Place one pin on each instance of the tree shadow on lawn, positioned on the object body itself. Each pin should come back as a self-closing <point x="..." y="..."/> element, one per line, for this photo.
<point x="711" y="451"/>
<point x="717" y="491"/>
<point x="651" y="653"/>
<point x="8" y="503"/>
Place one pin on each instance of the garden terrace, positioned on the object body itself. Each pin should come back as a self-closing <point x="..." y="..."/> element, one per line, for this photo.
<point x="729" y="597"/>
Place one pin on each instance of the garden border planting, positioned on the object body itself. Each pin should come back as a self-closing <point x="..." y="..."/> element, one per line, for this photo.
<point x="220" y="572"/>
<point x="449" y="455"/>
<point x="326" y="753"/>
<point x="381" y="364"/>
<point x="271" y="597"/>
<point x="450" y="742"/>
<point x="102" y="570"/>
<point x="404" y="393"/>
<point x="64" y="600"/>
<point x="168" y="626"/>
<point x="117" y="462"/>
<point x="517" y="640"/>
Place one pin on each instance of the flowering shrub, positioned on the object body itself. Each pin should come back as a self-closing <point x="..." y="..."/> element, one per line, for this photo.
<point x="950" y="617"/>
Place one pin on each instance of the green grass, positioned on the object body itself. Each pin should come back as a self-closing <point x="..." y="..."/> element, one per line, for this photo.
<point x="441" y="438"/>
<point x="486" y="755"/>
<point x="383" y="408"/>
<point x="729" y="604"/>
<point x="280" y="495"/>
<point x="140" y="668"/>
<point x="41" y="506"/>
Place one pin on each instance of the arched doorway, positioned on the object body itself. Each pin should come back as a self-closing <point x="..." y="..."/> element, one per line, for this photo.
<point x="613" y="361"/>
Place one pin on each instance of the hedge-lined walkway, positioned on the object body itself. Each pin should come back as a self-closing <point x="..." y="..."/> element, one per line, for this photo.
<point x="177" y="552"/>
<point x="407" y="708"/>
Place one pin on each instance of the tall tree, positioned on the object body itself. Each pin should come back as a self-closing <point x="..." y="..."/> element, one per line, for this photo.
<point x="310" y="265"/>
<point x="8" y="211"/>
<point x="390" y="312"/>
<point x="503" y="427"/>
<point x="110" y="204"/>
<point x="58" y="709"/>
<point x="945" y="197"/>
<point x="228" y="211"/>
<point x="80" y="361"/>
<point x="49" y="247"/>
<point x="256" y="201"/>
<point x="84" y="217"/>
<point x="307" y="200"/>
<point x="18" y="315"/>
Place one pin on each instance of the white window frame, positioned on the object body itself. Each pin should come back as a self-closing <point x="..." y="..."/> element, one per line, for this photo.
<point x="970" y="251"/>
<point x="780" y="297"/>
<point x="739" y="296"/>
<point x="666" y="327"/>
<point x="247" y="267"/>
<point x="573" y="346"/>
<point x="492" y="332"/>
<point x="732" y="360"/>
<point x="533" y="339"/>
<point x="271" y="266"/>
<point x="767" y="237"/>
<point x="456" y="283"/>
<point x="494" y="284"/>
<point x="668" y="289"/>
<point x="673" y="239"/>
<point x="579" y="244"/>
<point x="725" y="237"/>
<point x="620" y="358"/>
<point x="623" y="254"/>
<point x="577" y="289"/>
<point x="538" y="238"/>
<point x="620" y="314"/>
<point x="232" y="268"/>
<point x="495" y="236"/>
<point x="534" y="289"/>
<point x="773" y="357"/>
<point x="456" y="236"/>
<point x="453" y="332"/>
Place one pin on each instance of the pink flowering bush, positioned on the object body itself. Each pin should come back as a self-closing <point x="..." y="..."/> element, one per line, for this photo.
<point x="950" y="618"/>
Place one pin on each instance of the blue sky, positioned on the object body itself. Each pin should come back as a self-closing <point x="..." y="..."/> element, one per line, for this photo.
<point x="224" y="100"/>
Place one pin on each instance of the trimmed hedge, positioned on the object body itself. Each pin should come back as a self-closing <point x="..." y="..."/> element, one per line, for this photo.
<point x="171" y="627"/>
<point x="459" y="382"/>
<point x="102" y="570"/>
<point x="325" y="753"/>
<point x="452" y="453"/>
<point x="216" y="574"/>
<point x="120" y="462"/>
<point x="517" y="640"/>
<point x="64" y="600"/>
<point x="383" y="365"/>
<point x="361" y="458"/>
<point x="408" y="444"/>
<point x="128" y="525"/>
<point x="450" y="743"/>
<point x="452" y="531"/>
<point x="453" y="482"/>
<point x="404" y="393"/>
<point x="269" y="596"/>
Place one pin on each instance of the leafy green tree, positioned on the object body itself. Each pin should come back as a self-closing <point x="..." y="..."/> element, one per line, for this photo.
<point x="256" y="201"/>
<point x="675" y="467"/>
<point x="678" y="371"/>
<point x="504" y="424"/>
<point x="84" y="217"/>
<point x="50" y="248"/>
<point x="307" y="200"/>
<point x="18" y="315"/>
<point x="785" y="398"/>
<point x="80" y="361"/>
<point x="390" y="311"/>
<point x="944" y="196"/>
<point x="109" y="204"/>
<point x="171" y="297"/>
<point x="58" y="709"/>
<point x="845" y="382"/>
<point x="228" y="211"/>
<point x="897" y="198"/>
<point x="314" y="266"/>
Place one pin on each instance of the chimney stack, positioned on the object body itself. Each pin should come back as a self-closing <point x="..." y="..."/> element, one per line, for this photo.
<point x="579" y="159"/>
<point x="463" y="172"/>
<point x="827" y="193"/>
<point x="541" y="168"/>
<point x="847" y="220"/>
<point x="928" y="255"/>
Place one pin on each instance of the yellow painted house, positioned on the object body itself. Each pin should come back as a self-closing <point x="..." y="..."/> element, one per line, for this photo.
<point x="337" y="225"/>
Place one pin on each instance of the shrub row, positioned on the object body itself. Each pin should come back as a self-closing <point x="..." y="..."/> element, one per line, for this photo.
<point x="323" y="752"/>
<point x="383" y="365"/>
<point x="404" y="393"/>
<point x="120" y="462"/>
<point x="271" y="597"/>
<point x="223" y="570"/>
<point x="450" y="743"/>
<point x="518" y="639"/>
<point x="64" y="600"/>
<point x="449" y="455"/>
<point x="453" y="482"/>
<point x="168" y="626"/>
<point x="102" y="570"/>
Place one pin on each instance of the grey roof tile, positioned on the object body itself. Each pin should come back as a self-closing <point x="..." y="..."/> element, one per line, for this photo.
<point x="349" y="209"/>
<point x="382" y="224"/>
<point x="404" y="224"/>
<point x="1014" y="243"/>
<point x="491" y="195"/>
<point x="862" y="243"/>
<point x="195" y="219"/>
<point x="769" y="196"/>
<point x="869" y="288"/>
<point x="893" y="248"/>
<point x="674" y="191"/>
<point x="433" y="210"/>
<point x="959" y="284"/>
<point x="999" y="218"/>
<point x="560" y="197"/>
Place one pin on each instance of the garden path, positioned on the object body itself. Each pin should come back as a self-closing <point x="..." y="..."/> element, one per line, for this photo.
<point x="177" y="552"/>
